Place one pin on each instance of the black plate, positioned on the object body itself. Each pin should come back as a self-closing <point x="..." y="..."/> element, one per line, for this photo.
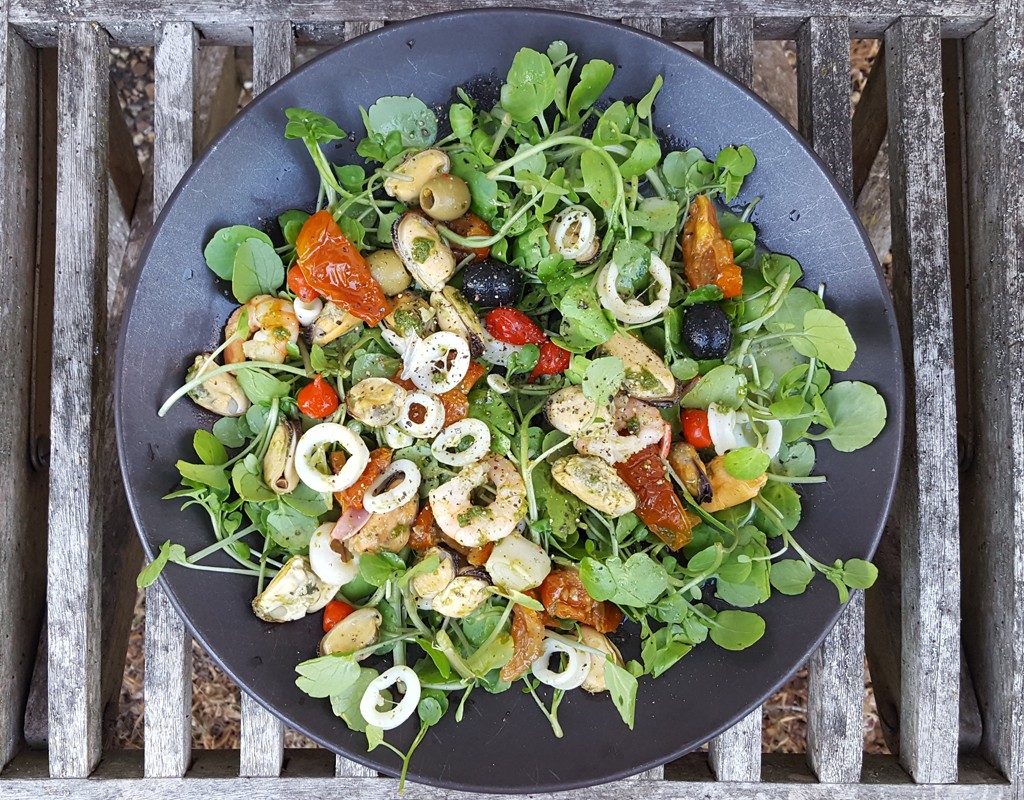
<point x="250" y="174"/>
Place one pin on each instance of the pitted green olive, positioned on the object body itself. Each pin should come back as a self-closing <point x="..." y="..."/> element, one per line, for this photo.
<point x="445" y="197"/>
<point x="389" y="271"/>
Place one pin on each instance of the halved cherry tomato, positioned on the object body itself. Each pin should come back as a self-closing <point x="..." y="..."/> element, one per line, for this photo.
<point x="334" y="612"/>
<point x="333" y="267"/>
<point x="469" y="224"/>
<point x="299" y="287"/>
<point x="553" y="360"/>
<point x="657" y="505"/>
<point x="708" y="255"/>
<point x="564" y="596"/>
<point x="512" y="326"/>
<point x="695" y="428"/>
<point x="424" y="533"/>
<point x="318" y="399"/>
<point x="352" y="497"/>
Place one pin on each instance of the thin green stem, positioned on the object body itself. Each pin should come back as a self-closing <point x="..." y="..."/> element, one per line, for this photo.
<point x="181" y="391"/>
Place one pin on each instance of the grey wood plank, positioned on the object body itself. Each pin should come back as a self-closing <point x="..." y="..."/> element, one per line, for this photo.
<point x="168" y="651"/>
<point x="229" y="22"/>
<point x="352" y="29"/>
<point x="835" y="710"/>
<point x="926" y="504"/>
<point x="736" y="754"/>
<point x="79" y="328"/>
<point x="729" y="45"/>
<point x="651" y="25"/>
<point x="273" y="53"/>
<point x="22" y="549"/>
<point x="994" y="563"/>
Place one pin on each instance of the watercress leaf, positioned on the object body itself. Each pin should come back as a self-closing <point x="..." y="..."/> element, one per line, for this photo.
<point x="327" y="675"/>
<point x="622" y="686"/>
<point x="584" y="324"/>
<point x="594" y="79"/>
<point x="775" y="267"/>
<point x="208" y="448"/>
<point x="556" y="273"/>
<point x="259" y="386"/>
<point x="345" y="703"/>
<point x="795" y="460"/>
<point x="603" y="378"/>
<point x="429" y="709"/>
<point x="707" y="560"/>
<point x="746" y="463"/>
<point x="460" y="117"/>
<point x="353" y="231"/>
<point x="491" y="408"/>
<point x="373" y="365"/>
<point x="220" y="251"/>
<point x="290" y="529"/>
<point x="786" y="501"/>
<point x="646" y="155"/>
<point x="661" y="650"/>
<point x="790" y="314"/>
<point x="231" y="431"/>
<point x="597" y="579"/>
<point x="530" y="86"/>
<point x="598" y="178"/>
<point x="678" y="164"/>
<point x="374" y="737"/>
<point x="350" y="176"/>
<point x="736" y="630"/>
<point x="646" y="104"/>
<point x="306" y="124"/>
<point x="557" y="51"/>
<point x="306" y="501"/>
<point x="656" y="214"/>
<point x="444" y="669"/>
<point x="612" y="124"/>
<point x="522" y="361"/>
<point x="491" y="656"/>
<point x="742" y="236"/>
<point x="291" y="223"/>
<point x="825" y="337"/>
<point x="790" y="576"/>
<point x="858" y="414"/>
<point x="737" y="161"/>
<point x="705" y="294"/>
<point x="257" y="270"/>
<point x="634" y="262"/>
<point x="409" y="117"/>
<point x="723" y="385"/>
<point x="207" y="474"/>
<point x="251" y="488"/>
<point x="483" y="190"/>
<point x="378" y="568"/>
<point x="859" y="574"/>
<point x="153" y="569"/>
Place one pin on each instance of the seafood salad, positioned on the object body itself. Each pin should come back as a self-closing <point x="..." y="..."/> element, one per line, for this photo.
<point x="516" y="380"/>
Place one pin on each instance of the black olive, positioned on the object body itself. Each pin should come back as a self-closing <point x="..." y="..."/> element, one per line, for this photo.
<point x="491" y="284"/>
<point x="707" y="332"/>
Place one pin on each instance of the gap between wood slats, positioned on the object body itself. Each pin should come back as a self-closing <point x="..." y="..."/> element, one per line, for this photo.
<point x="228" y="22"/>
<point x="736" y="754"/>
<point x="835" y="672"/>
<point x="168" y="648"/>
<point x="75" y="512"/>
<point x="926" y="503"/>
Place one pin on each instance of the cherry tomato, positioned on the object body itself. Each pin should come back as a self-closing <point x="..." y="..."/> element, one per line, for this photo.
<point x="695" y="428"/>
<point x="352" y="497"/>
<point x="708" y="255"/>
<point x="657" y="504"/>
<point x="512" y="326"/>
<point x="553" y="360"/>
<point x="564" y="596"/>
<point x="424" y="532"/>
<point x="333" y="267"/>
<point x="299" y="287"/>
<point x="469" y="224"/>
<point x="317" y="399"/>
<point x="334" y="612"/>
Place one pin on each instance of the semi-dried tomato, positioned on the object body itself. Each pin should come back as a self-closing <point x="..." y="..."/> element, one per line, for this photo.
<point x="527" y="640"/>
<point x="707" y="253"/>
<point x="565" y="597"/>
<point x="333" y="267"/>
<point x="352" y="497"/>
<point x="469" y="224"/>
<point x="512" y="326"/>
<point x="657" y="505"/>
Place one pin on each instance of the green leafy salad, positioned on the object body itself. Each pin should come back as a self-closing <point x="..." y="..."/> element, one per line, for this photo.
<point x="518" y="379"/>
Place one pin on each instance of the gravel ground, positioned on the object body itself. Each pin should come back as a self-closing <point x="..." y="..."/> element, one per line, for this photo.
<point x="215" y="699"/>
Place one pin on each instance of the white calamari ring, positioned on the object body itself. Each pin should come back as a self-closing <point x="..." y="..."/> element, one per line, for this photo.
<point x="453" y="435"/>
<point x="433" y="415"/>
<point x="433" y="369"/>
<point x="373" y="699"/>
<point x="331" y="433"/>
<point x="399" y="494"/>
<point x="576" y="671"/>
<point x="632" y="311"/>
<point x="327" y="562"/>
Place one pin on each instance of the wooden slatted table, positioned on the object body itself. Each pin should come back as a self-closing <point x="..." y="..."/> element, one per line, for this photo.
<point x="961" y="529"/>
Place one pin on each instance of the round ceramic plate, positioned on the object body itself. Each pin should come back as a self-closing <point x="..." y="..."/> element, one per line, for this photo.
<point x="251" y="173"/>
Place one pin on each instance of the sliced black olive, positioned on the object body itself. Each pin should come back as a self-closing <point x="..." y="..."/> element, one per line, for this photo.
<point x="707" y="332"/>
<point x="491" y="284"/>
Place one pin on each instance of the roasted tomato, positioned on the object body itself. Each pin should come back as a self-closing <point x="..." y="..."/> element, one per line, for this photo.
<point x="565" y="597"/>
<point x="317" y="400"/>
<point x="512" y="326"/>
<point x="424" y="533"/>
<point x="553" y="360"/>
<point x="469" y="224"/>
<point x="707" y="253"/>
<point x="334" y="268"/>
<point x="352" y="497"/>
<point x="297" y="284"/>
<point x="478" y="555"/>
<point x="527" y="640"/>
<point x="657" y="505"/>
<point x="334" y="612"/>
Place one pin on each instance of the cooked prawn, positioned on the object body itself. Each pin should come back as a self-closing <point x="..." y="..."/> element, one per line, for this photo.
<point x="272" y="327"/>
<point x="634" y="426"/>
<point x="473" y="525"/>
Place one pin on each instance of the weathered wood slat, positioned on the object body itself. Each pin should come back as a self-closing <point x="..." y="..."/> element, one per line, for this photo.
<point x="227" y="22"/>
<point x="994" y="562"/>
<point x="835" y="709"/>
<point x="79" y="308"/>
<point x="926" y="505"/>
<point x="273" y="53"/>
<point x="352" y="29"/>
<point x="22" y="549"/>
<point x="168" y="651"/>
<point x="729" y="45"/>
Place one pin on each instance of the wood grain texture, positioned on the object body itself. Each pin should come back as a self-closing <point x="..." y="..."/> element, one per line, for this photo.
<point x="729" y="45"/>
<point x="736" y="754"/>
<point x="22" y="549"/>
<point x="352" y="29"/>
<point x="227" y="22"/>
<point x="273" y="53"/>
<point x="835" y="672"/>
<point x="168" y="650"/>
<point x="651" y="25"/>
<point x="79" y="330"/>
<point x="994" y="485"/>
<point x="926" y="504"/>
